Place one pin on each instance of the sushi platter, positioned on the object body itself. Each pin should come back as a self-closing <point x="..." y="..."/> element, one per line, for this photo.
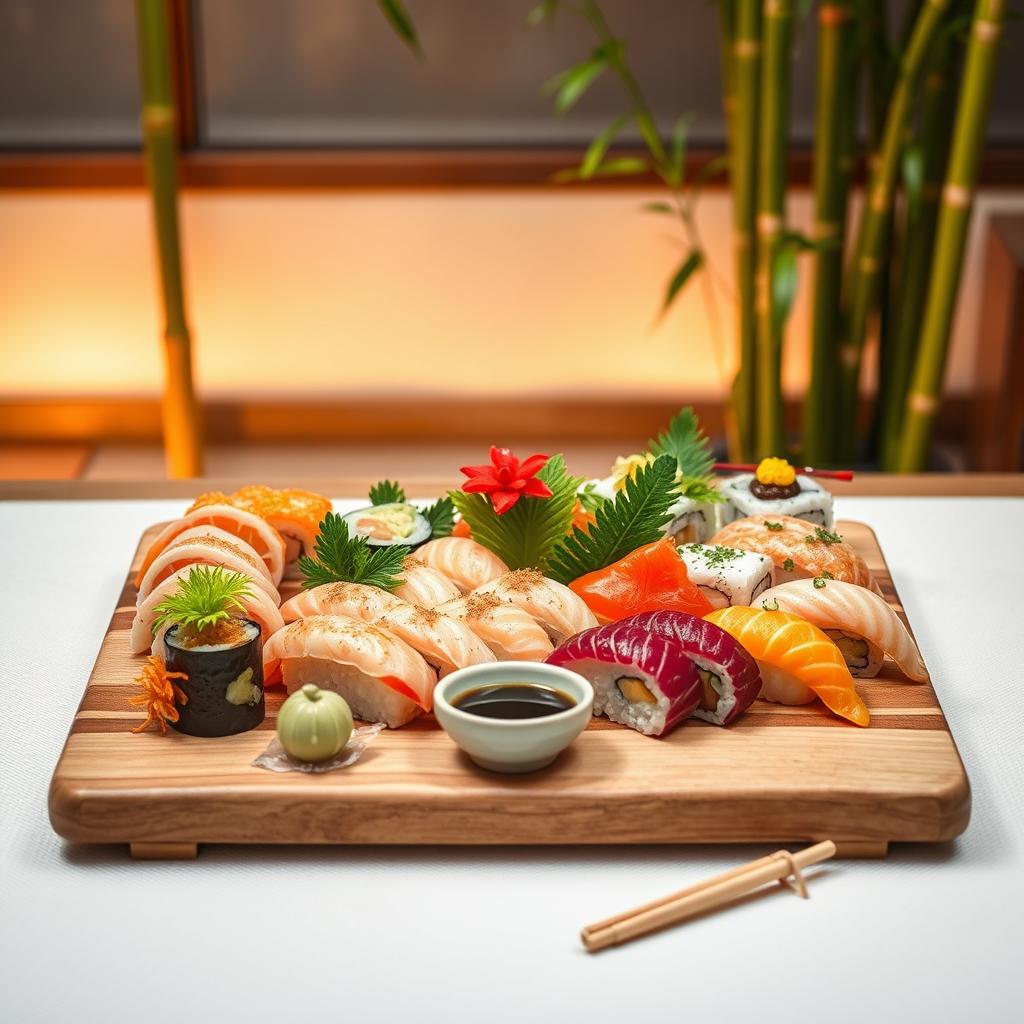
<point x="746" y="676"/>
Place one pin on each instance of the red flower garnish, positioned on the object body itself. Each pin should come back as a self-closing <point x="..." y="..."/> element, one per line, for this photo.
<point x="507" y="479"/>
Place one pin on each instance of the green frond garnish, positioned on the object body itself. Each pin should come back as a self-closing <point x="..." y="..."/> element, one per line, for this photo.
<point x="205" y="597"/>
<point x="441" y="516"/>
<point x="699" y="490"/>
<point x="386" y="492"/>
<point x="688" y="445"/>
<point x="340" y="558"/>
<point x="636" y="517"/>
<point x="524" y="537"/>
<point x="589" y="498"/>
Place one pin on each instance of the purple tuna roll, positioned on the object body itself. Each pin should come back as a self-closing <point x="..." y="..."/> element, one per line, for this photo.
<point x="729" y="675"/>
<point x="640" y="679"/>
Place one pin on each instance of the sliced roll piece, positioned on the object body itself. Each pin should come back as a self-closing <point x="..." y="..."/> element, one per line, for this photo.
<point x="380" y="676"/>
<point x="465" y="562"/>
<point x="425" y="586"/>
<point x="509" y="632"/>
<point x="552" y="604"/>
<point x="445" y="643"/>
<point x="257" y="606"/>
<point x="863" y="625"/>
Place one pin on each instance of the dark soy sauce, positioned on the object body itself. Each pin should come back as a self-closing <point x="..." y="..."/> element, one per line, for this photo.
<point x="514" y="700"/>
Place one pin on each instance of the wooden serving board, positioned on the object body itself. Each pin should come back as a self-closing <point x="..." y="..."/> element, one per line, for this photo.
<point x="778" y="774"/>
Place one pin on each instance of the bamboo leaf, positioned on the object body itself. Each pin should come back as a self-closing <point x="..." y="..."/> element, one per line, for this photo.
<point x="599" y="147"/>
<point x="570" y="85"/>
<point x="543" y="12"/>
<point x="711" y="169"/>
<point x="693" y="262"/>
<point x="678" y="153"/>
<point x="659" y="207"/>
<point x="784" y="282"/>
<point x="616" y="167"/>
<point x="395" y="12"/>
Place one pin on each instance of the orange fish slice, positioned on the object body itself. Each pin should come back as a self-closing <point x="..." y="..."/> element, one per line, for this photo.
<point x="787" y="644"/>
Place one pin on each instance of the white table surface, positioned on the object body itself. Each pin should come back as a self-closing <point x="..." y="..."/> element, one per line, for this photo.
<point x="440" y="934"/>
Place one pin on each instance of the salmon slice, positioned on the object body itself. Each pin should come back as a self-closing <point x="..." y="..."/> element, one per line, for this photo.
<point x="382" y="677"/>
<point x="554" y="606"/>
<point x="257" y="606"/>
<point x="256" y="532"/>
<point x="425" y="586"/>
<point x="795" y="658"/>
<point x="510" y="633"/>
<point x="467" y="564"/>
<point x="445" y="643"/>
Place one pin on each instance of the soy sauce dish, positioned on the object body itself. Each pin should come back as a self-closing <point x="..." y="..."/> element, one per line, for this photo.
<point x="513" y="716"/>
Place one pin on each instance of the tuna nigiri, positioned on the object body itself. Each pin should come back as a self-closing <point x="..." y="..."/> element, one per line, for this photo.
<point x="550" y="603"/>
<point x="425" y="586"/>
<point x="256" y="532"/>
<point x="208" y="545"/>
<point x="467" y="564"/>
<point x="862" y="624"/>
<point x="382" y="678"/>
<point x="257" y="606"/>
<point x="797" y="660"/>
<point x="509" y="632"/>
<point x="445" y="643"/>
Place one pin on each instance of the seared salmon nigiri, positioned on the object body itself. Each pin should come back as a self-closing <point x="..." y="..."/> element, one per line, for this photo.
<point x="467" y="564"/>
<point x="510" y="633"/>
<point x="552" y="604"/>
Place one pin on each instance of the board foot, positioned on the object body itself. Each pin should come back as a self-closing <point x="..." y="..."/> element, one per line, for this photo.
<point x="862" y="849"/>
<point x="164" y="851"/>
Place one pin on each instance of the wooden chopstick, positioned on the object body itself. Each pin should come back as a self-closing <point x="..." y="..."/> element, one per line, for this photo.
<point x="707" y="895"/>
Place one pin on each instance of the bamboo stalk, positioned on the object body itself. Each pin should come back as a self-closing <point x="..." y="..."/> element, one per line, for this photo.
<point x="746" y="70"/>
<point x="866" y="271"/>
<point x="181" y="418"/>
<point x="951" y="233"/>
<point x="833" y="136"/>
<point x="773" y="124"/>
<point x="873" y="47"/>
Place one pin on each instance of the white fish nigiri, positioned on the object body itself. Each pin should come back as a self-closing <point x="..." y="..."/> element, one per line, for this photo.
<point x="552" y="604"/>
<point x="465" y="562"/>
<point x="257" y="606"/>
<point x="510" y="633"/>
<point x="381" y="677"/>
<point x="425" y="586"/>
<point x="859" y="621"/>
<point x="208" y="545"/>
<point x="256" y="532"/>
<point x="445" y="643"/>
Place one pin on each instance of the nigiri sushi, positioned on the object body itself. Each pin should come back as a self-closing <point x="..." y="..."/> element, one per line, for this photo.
<point x="640" y="679"/>
<point x="798" y="549"/>
<point x="511" y="633"/>
<point x="651" y="578"/>
<point x="381" y="677"/>
<point x="862" y="625"/>
<point x="445" y="643"/>
<point x="797" y="660"/>
<point x="425" y="586"/>
<point x="257" y="606"/>
<point x="210" y="546"/>
<point x="727" y="575"/>
<point x="552" y="604"/>
<point x="256" y="532"/>
<point x="776" y="490"/>
<point x="465" y="562"/>
<point x="729" y="675"/>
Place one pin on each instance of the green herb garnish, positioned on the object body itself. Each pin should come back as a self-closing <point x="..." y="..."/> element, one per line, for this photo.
<point x="788" y="565"/>
<point x="819" y="581"/>
<point x="441" y="516"/>
<point x="687" y="444"/>
<point x="205" y="597"/>
<point x="823" y="535"/>
<point x="386" y="492"/>
<point x="636" y="517"/>
<point x="715" y="555"/>
<point x="341" y="558"/>
<point x="699" y="490"/>
<point x="589" y="498"/>
<point x="524" y="537"/>
<point x="773" y="526"/>
<point x="773" y="607"/>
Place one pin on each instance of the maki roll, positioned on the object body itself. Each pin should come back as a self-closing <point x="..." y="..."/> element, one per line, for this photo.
<point x="692" y="522"/>
<point x="727" y="575"/>
<point x="397" y="522"/>
<point x="640" y="679"/>
<point x="729" y="676"/>
<point x="776" y="490"/>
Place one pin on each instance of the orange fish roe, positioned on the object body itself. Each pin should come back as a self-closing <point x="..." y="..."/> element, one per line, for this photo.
<point x="159" y="694"/>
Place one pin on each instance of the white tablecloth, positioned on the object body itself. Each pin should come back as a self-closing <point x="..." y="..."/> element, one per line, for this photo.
<point x="439" y="934"/>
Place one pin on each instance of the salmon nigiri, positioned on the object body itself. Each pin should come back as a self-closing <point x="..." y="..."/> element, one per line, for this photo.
<point x="208" y="545"/>
<point x="381" y="677"/>
<point x="552" y="604"/>
<point x="445" y="643"/>
<point x="467" y="564"/>
<point x="256" y="606"/>
<point x="797" y="660"/>
<point x="256" y="532"/>
<point x="425" y="586"/>
<point x="862" y="624"/>
<point x="510" y="633"/>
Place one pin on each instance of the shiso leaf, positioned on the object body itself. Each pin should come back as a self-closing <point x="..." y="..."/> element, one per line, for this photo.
<point x="386" y="492"/>
<point x="340" y="558"/>
<point x="524" y="537"/>
<point x="205" y="597"/>
<point x="441" y="516"/>
<point x="636" y="517"/>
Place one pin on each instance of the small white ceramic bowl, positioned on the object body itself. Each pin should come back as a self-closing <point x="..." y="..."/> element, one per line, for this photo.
<point x="513" y="745"/>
